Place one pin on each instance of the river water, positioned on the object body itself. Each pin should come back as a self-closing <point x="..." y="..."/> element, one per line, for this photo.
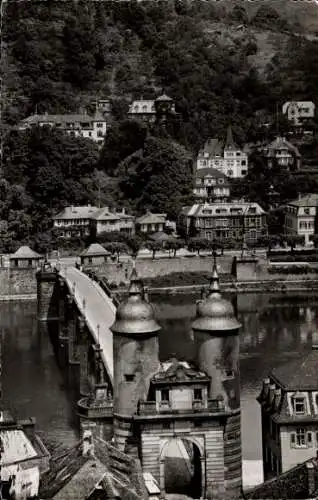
<point x="274" y="330"/>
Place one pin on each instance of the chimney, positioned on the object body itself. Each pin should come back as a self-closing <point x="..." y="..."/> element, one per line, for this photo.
<point x="266" y="383"/>
<point x="88" y="444"/>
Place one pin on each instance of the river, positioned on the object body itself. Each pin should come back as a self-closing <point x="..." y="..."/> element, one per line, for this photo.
<point x="274" y="329"/>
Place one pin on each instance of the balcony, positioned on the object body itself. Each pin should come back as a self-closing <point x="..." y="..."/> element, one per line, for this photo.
<point x="154" y="408"/>
<point x="90" y="408"/>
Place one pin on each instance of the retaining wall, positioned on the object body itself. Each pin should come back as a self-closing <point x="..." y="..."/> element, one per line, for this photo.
<point x="17" y="283"/>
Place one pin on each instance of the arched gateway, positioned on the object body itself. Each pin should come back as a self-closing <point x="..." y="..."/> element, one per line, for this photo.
<point x="182" y="466"/>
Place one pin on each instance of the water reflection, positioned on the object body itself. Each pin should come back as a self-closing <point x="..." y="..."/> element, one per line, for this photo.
<point x="33" y="384"/>
<point x="274" y="330"/>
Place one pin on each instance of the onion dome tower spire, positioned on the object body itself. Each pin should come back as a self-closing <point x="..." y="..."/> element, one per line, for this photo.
<point x="215" y="330"/>
<point x="136" y="357"/>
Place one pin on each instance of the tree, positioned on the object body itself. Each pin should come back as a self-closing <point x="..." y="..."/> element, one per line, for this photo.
<point x="116" y="248"/>
<point x="122" y="140"/>
<point x="293" y="240"/>
<point x="198" y="244"/>
<point x="161" y="179"/>
<point x="135" y="244"/>
<point x="154" y="246"/>
<point x="174" y="245"/>
<point x="314" y="239"/>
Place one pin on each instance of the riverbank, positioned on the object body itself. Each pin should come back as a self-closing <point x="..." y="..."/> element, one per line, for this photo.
<point x="243" y="287"/>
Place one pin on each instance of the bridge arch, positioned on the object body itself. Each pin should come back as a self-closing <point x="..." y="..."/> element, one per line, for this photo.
<point x="189" y="468"/>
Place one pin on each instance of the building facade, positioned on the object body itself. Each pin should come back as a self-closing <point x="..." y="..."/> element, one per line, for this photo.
<point x="172" y="404"/>
<point x="109" y="221"/>
<point x="147" y="109"/>
<point x="298" y="112"/>
<point x="226" y="157"/>
<point x="75" y="125"/>
<point x="89" y="220"/>
<point x="221" y="221"/>
<point x="289" y="412"/>
<point x="300" y="217"/>
<point x="151" y="223"/>
<point x="211" y="185"/>
<point x="283" y="154"/>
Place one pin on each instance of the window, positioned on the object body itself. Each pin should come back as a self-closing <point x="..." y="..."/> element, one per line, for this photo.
<point x="306" y="211"/>
<point x="198" y="394"/>
<point x="99" y="125"/>
<point x="129" y="377"/>
<point x="300" y="437"/>
<point x="30" y="262"/>
<point x="166" y="425"/>
<point x="99" y="133"/>
<point x="230" y="373"/>
<point x="165" y="395"/>
<point x="299" y="405"/>
<point x="243" y="162"/>
<point x="244" y="172"/>
<point x="230" y="173"/>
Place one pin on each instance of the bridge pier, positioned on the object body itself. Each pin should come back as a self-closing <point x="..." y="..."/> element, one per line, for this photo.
<point x="47" y="294"/>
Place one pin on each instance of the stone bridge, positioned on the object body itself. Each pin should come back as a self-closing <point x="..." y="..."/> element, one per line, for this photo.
<point x="83" y="308"/>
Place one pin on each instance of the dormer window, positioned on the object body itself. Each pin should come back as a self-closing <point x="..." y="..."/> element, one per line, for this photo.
<point x="299" y="405"/>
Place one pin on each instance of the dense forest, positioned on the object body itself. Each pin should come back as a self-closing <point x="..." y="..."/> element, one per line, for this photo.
<point x="59" y="57"/>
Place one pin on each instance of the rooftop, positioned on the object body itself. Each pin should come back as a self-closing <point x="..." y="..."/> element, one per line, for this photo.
<point x="95" y="249"/>
<point x="74" y="476"/>
<point x="63" y="119"/>
<point x="234" y="208"/>
<point x="299" y="374"/>
<point x="280" y="143"/>
<point x="308" y="200"/>
<point x="210" y="172"/>
<point x="150" y="218"/>
<point x="179" y="372"/>
<point x="25" y="252"/>
<point x="16" y="446"/>
<point x="69" y="213"/>
<point x="291" y="484"/>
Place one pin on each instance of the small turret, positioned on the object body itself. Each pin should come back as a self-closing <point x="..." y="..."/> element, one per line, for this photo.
<point x="215" y="330"/>
<point x="135" y="316"/>
<point x="136" y="357"/>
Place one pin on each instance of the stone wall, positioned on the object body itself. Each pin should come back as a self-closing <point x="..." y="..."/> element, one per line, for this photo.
<point x="151" y="268"/>
<point x="17" y="282"/>
<point x="257" y="270"/>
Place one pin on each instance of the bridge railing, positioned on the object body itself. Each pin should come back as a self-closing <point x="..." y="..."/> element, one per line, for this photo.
<point x="103" y="284"/>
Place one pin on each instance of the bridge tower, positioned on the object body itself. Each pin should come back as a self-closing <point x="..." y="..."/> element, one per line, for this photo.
<point x="215" y="331"/>
<point x="47" y="293"/>
<point x="136" y="358"/>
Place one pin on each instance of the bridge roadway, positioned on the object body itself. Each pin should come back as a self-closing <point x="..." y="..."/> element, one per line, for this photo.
<point x="97" y="309"/>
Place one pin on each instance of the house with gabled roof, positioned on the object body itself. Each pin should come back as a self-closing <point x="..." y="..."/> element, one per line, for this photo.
<point x="289" y="414"/>
<point x="210" y="184"/>
<point x="147" y="109"/>
<point x="301" y="216"/>
<point x="93" y="470"/>
<point x="95" y="254"/>
<point x="298" y="112"/>
<point x="25" y="257"/>
<point x="282" y="153"/>
<point x="73" y="124"/>
<point x="151" y="222"/>
<point x="223" y="155"/>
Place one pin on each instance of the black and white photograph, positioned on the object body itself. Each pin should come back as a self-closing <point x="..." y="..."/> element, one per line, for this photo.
<point x="159" y="250"/>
